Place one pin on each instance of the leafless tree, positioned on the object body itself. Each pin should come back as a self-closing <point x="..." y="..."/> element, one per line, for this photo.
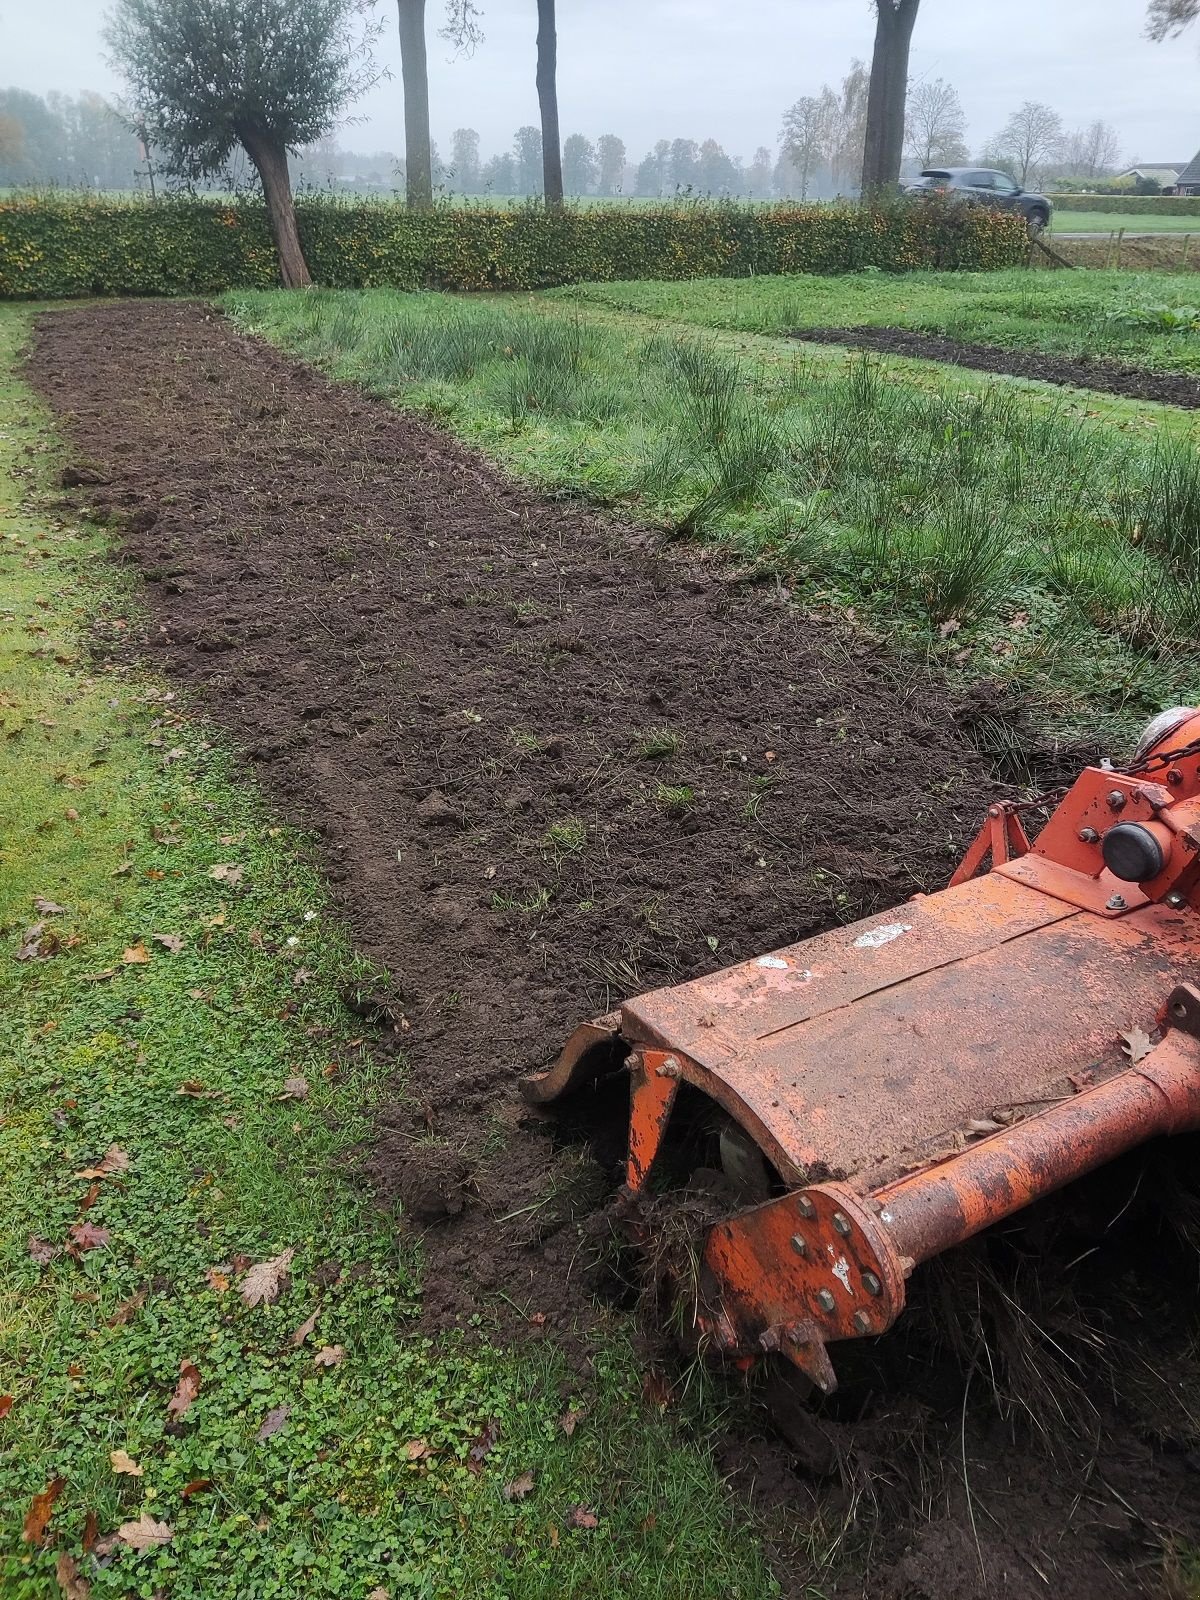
<point x="883" y="144"/>
<point x="934" y="123"/>
<point x="804" y="138"/>
<point x="1089" y="152"/>
<point x="1164" y="17"/>
<point x="1030" y="137"/>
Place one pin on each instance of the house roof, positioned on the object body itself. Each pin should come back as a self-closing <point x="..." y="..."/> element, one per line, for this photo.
<point x="1161" y="173"/>
<point x="1191" y="173"/>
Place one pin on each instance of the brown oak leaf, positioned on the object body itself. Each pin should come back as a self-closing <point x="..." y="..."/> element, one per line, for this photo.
<point x="1136" y="1044"/>
<point x="226" y="872"/>
<point x="582" y="1517"/>
<point x="519" y="1487"/>
<point x="262" y="1284"/>
<point x="483" y="1445"/>
<point x="123" y="1462"/>
<point x="295" y="1089"/>
<point x="305" y="1328"/>
<point x="330" y="1355"/>
<point x="146" y="1533"/>
<point x="6" y="1405"/>
<point x="47" y="908"/>
<point x="169" y="941"/>
<point x="136" y="955"/>
<point x="87" y="1236"/>
<point x="70" y="1580"/>
<point x="41" y="1251"/>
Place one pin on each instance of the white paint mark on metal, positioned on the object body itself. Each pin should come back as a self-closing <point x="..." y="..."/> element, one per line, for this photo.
<point x="771" y="961"/>
<point x="885" y="1216"/>
<point x="841" y="1271"/>
<point x="882" y="935"/>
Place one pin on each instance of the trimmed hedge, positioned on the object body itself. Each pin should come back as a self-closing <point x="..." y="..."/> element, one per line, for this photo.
<point x="53" y="248"/>
<point x="1166" y="205"/>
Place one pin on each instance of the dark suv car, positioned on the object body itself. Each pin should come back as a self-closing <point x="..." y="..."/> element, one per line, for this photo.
<point x="986" y="187"/>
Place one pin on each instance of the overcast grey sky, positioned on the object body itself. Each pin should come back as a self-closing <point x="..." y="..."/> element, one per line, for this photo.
<point x="653" y="69"/>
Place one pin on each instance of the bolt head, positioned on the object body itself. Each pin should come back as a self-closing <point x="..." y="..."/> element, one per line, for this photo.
<point x="799" y="1245"/>
<point x="862" y="1322"/>
<point x="841" y="1223"/>
<point x="1088" y="835"/>
<point x="871" y="1283"/>
<point x="1176" y="901"/>
<point x="669" y="1068"/>
<point x="825" y="1300"/>
<point x="1115" y="902"/>
<point x="1116" y="800"/>
<point x="805" y="1207"/>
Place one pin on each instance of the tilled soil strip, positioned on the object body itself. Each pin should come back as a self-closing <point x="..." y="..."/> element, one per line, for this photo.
<point x="482" y="702"/>
<point x="1106" y="377"/>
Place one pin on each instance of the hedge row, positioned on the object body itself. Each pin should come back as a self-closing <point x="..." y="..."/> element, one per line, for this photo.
<point x="1166" y="205"/>
<point x="53" y="248"/>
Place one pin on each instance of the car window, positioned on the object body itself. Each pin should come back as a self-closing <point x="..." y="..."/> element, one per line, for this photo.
<point x="980" y="180"/>
<point x="1002" y="182"/>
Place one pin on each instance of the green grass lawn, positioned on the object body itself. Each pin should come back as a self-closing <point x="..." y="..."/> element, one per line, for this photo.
<point x="1110" y="314"/>
<point x="995" y="530"/>
<point x="180" y="1097"/>
<point x="1131" y="221"/>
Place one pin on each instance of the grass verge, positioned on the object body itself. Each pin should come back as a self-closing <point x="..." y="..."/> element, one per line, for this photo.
<point x="181" y="1095"/>
<point x="998" y="532"/>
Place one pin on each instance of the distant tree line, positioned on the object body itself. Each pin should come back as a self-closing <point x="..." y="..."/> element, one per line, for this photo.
<point x="71" y="140"/>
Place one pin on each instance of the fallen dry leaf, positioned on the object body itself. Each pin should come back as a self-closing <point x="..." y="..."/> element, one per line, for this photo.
<point x="41" y="1509"/>
<point x="186" y="1389"/>
<point x="145" y="1533"/>
<point x="113" y="1160"/>
<point x="226" y="872"/>
<point x="125" y="1463"/>
<point x="305" y="1328"/>
<point x="570" y="1420"/>
<point x="41" y="1251"/>
<point x="169" y="941"/>
<point x="483" y="1445"/>
<point x="272" y="1422"/>
<point x="36" y="944"/>
<point x="1136" y="1045"/>
<point x="197" y="1486"/>
<point x="417" y="1450"/>
<point x="136" y="955"/>
<point x="126" y="1311"/>
<point x="88" y="1236"/>
<point x="295" y="1089"/>
<point x="91" y="1530"/>
<point x="69" y="1579"/>
<point x="656" y="1390"/>
<point x="330" y="1355"/>
<point x="519" y="1487"/>
<point x="6" y="1405"/>
<point x="380" y="1594"/>
<point x="582" y="1517"/>
<point x="47" y="908"/>
<point x="300" y="977"/>
<point x="217" y="1279"/>
<point x="262" y="1284"/>
<point x="1080" y="1081"/>
<point x="100" y="977"/>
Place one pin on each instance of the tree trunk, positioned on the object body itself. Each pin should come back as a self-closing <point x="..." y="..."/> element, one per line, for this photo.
<point x="414" y="71"/>
<point x="270" y="159"/>
<point x="884" y="143"/>
<point x="547" y="89"/>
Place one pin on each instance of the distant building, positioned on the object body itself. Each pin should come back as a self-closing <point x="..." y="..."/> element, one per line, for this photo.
<point x="1188" y="181"/>
<point x="1165" y="174"/>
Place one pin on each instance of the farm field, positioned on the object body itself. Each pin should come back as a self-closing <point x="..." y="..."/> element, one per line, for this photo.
<point x="305" y="673"/>
<point x="1141" y="319"/>
<point x="179" y="1026"/>
<point x="1113" y="221"/>
<point x="984" y="527"/>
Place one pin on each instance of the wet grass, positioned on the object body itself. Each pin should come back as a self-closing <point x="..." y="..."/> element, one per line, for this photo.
<point x="996" y="531"/>
<point x="1081" y="313"/>
<point x="165" y="1007"/>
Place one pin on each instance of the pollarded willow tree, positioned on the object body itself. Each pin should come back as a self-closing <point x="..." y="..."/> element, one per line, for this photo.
<point x="269" y="75"/>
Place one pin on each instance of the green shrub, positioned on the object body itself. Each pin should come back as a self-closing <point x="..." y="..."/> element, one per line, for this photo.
<point x="55" y="247"/>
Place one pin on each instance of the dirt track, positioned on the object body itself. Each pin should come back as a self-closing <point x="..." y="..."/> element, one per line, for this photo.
<point x="435" y="669"/>
<point x="1107" y="377"/>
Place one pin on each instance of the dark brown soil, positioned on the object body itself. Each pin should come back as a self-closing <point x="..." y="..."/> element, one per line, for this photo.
<point x="453" y="682"/>
<point x="1108" y="377"/>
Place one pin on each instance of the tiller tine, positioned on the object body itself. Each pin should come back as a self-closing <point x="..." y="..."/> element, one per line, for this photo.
<point x="911" y="1080"/>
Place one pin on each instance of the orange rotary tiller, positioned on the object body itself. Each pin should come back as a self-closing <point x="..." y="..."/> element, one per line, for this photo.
<point x="907" y="1081"/>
